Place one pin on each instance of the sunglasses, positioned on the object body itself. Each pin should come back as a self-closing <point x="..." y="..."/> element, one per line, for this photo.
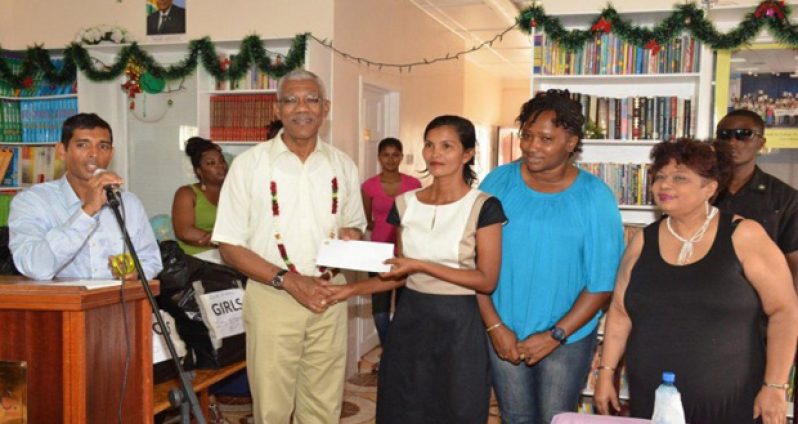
<point x="742" y="134"/>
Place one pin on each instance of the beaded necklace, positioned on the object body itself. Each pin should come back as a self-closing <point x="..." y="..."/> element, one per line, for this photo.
<point x="326" y="273"/>
<point x="687" y="244"/>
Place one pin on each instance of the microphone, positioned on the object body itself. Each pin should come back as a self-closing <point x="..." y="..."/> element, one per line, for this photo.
<point x="111" y="190"/>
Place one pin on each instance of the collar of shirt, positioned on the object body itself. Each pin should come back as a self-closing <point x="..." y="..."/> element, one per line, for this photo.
<point x="278" y="148"/>
<point x="757" y="183"/>
<point x="165" y="14"/>
<point x="67" y="193"/>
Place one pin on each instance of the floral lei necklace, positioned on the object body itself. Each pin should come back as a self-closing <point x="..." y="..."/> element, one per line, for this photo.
<point x="325" y="272"/>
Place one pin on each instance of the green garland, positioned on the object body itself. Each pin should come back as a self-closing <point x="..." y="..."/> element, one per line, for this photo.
<point x="37" y="59"/>
<point x="685" y="17"/>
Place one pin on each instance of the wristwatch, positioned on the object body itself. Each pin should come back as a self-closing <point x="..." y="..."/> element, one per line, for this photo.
<point x="277" y="280"/>
<point x="558" y="334"/>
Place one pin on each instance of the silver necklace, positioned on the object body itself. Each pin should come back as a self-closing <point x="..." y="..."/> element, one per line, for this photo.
<point x="687" y="244"/>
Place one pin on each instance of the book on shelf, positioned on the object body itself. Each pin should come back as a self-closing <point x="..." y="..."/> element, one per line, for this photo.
<point x="241" y="117"/>
<point x="630" y="182"/>
<point x="607" y="54"/>
<point x="28" y="165"/>
<point x="253" y="79"/>
<point x="639" y="117"/>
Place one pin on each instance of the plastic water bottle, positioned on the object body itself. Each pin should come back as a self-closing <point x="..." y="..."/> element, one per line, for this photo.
<point x="668" y="402"/>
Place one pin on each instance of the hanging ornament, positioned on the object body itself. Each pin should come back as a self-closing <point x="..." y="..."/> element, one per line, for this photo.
<point x="769" y="9"/>
<point x="131" y="87"/>
<point x="654" y="46"/>
<point x="27" y="82"/>
<point x="533" y="23"/>
<point x="150" y="84"/>
<point x="602" y="25"/>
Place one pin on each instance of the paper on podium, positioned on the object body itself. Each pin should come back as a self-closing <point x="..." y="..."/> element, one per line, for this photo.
<point x="88" y="284"/>
<point x="356" y="255"/>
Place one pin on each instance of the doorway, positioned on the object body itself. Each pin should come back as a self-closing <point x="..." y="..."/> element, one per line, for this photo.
<point x="379" y="118"/>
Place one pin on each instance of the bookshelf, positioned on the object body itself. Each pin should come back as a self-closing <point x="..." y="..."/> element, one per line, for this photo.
<point x="30" y="127"/>
<point x="629" y="95"/>
<point x="235" y="114"/>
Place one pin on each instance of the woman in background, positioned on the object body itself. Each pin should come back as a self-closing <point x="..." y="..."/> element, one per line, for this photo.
<point x="435" y="361"/>
<point x="378" y="194"/>
<point x="690" y="297"/>
<point x="194" y="206"/>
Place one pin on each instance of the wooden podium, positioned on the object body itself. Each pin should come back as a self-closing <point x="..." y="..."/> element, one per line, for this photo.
<point x="73" y="340"/>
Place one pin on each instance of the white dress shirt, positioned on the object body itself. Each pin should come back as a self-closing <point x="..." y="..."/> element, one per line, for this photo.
<point x="304" y="193"/>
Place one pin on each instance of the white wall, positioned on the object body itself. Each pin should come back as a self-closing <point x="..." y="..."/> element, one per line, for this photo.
<point x="514" y="94"/>
<point x="394" y="31"/>
<point x="56" y="22"/>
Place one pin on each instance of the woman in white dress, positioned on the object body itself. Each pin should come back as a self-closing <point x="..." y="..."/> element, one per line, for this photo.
<point x="434" y="367"/>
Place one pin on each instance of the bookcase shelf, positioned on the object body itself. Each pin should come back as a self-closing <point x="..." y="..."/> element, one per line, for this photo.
<point x="52" y="97"/>
<point x="30" y="126"/>
<point x="636" y="77"/>
<point x="239" y="91"/>
<point x="30" y="144"/>
<point x="638" y="207"/>
<point x="609" y="83"/>
<point x="620" y="142"/>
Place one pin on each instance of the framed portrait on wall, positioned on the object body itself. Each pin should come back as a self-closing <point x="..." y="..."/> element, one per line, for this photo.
<point x="166" y="17"/>
<point x="762" y="78"/>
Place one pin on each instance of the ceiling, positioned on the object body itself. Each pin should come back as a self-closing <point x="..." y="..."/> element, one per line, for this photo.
<point x="477" y="21"/>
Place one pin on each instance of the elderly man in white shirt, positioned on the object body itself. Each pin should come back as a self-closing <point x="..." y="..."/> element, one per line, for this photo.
<point x="280" y="200"/>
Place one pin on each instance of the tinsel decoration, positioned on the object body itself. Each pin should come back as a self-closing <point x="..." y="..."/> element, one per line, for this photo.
<point x="203" y="51"/>
<point x="684" y="18"/>
<point x="131" y="86"/>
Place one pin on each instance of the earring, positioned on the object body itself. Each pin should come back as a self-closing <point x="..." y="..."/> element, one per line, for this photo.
<point x="202" y="185"/>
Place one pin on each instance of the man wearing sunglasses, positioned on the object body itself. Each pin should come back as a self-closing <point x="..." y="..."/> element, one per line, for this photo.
<point x="753" y="193"/>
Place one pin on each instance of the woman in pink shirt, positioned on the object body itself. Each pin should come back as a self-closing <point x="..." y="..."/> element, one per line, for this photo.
<point x="378" y="195"/>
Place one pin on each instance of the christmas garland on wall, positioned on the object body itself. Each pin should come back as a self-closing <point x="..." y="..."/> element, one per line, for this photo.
<point x="685" y="17"/>
<point x="252" y="52"/>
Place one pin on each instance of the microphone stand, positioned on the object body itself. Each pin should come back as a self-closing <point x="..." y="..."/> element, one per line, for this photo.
<point x="185" y="398"/>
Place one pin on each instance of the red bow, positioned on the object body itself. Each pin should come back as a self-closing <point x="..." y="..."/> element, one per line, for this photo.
<point x="654" y="47"/>
<point x="602" y="25"/>
<point x="770" y="8"/>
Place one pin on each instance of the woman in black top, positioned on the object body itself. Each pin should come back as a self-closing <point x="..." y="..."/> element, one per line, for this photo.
<point x="690" y="297"/>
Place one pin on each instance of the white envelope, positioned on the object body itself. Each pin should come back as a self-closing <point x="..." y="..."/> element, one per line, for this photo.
<point x="356" y="255"/>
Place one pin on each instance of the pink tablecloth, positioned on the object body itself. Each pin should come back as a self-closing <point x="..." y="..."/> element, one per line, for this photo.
<point x="572" y="418"/>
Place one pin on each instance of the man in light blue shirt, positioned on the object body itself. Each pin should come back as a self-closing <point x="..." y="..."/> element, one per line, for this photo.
<point x="64" y="228"/>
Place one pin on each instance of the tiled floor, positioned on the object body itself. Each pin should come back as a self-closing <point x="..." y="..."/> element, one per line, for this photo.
<point x="360" y="394"/>
<point x="360" y="398"/>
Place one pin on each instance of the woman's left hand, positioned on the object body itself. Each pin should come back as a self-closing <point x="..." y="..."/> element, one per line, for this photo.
<point x="771" y="405"/>
<point x="400" y="267"/>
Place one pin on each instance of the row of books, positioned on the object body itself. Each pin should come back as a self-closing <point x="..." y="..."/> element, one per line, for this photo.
<point x="639" y="117"/>
<point x="38" y="86"/>
<point x="241" y="117"/>
<point x="42" y="119"/>
<point x="254" y="79"/>
<point x="629" y="181"/>
<point x="25" y="165"/>
<point x="608" y="54"/>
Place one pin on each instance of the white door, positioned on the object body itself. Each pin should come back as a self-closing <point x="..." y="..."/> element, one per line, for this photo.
<point x="379" y="118"/>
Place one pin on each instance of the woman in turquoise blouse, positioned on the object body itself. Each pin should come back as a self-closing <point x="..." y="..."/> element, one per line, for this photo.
<point x="560" y="250"/>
